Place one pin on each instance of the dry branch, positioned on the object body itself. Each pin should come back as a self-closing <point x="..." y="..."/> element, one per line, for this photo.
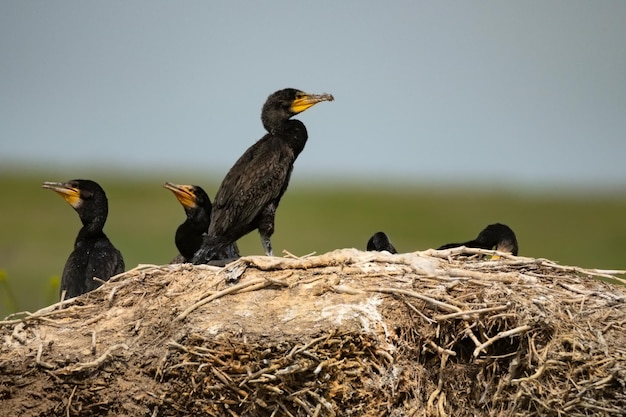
<point x="93" y="364"/>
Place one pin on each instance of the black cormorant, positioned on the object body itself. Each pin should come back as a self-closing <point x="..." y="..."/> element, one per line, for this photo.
<point x="380" y="242"/>
<point x="94" y="255"/>
<point x="497" y="235"/>
<point x="251" y="191"/>
<point x="197" y="205"/>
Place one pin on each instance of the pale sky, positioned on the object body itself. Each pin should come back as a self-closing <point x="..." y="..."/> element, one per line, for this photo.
<point x="526" y="92"/>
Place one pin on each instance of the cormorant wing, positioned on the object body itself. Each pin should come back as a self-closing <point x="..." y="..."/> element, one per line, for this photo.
<point x="104" y="262"/>
<point x="259" y="176"/>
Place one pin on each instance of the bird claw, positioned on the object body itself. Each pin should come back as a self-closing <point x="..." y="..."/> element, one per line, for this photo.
<point x="200" y="257"/>
<point x="234" y="272"/>
<point x="267" y="246"/>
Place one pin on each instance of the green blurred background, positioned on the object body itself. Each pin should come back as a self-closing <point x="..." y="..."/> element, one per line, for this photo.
<point x="424" y="91"/>
<point x="38" y="228"/>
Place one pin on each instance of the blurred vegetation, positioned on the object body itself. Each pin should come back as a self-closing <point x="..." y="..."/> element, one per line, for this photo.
<point x="38" y="228"/>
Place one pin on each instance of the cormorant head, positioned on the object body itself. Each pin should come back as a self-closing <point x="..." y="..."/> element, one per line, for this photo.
<point x="192" y="197"/>
<point x="286" y="103"/>
<point x="86" y="196"/>
<point x="499" y="236"/>
<point x="380" y="242"/>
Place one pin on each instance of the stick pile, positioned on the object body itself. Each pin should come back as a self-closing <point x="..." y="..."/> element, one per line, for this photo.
<point x="347" y="333"/>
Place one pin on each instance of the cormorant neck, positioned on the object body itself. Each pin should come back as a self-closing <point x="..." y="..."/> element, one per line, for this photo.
<point x="192" y="227"/>
<point x="93" y="226"/>
<point x="294" y="133"/>
<point x="188" y="238"/>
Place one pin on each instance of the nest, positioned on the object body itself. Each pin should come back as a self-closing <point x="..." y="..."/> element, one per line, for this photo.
<point x="347" y="333"/>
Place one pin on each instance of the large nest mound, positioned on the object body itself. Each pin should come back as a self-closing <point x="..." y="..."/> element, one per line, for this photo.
<point x="348" y="333"/>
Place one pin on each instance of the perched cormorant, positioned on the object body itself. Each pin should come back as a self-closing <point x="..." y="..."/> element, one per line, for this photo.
<point x="94" y="255"/>
<point x="380" y="242"/>
<point x="251" y="191"/>
<point x="197" y="205"/>
<point x="495" y="235"/>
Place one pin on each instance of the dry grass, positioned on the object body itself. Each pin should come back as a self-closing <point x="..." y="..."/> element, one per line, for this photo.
<point x="347" y="333"/>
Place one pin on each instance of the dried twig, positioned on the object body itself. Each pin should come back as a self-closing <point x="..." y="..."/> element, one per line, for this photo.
<point x="419" y="313"/>
<point x="93" y="364"/>
<point x="414" y="294"/>
<point x="537" y="374"/>
<point x="38" y="360"/>
<point x="466" y="314"/>
<point x="69" y="401"/>
<point x="229" y="290"/>
<point x="501" y="335"/>
<point x="440" y="349"/>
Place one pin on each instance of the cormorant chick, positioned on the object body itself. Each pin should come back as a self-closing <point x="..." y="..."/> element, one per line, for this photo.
<point x="251" y="191"/>
<point x="495" y="235"/>
<point x="380" y="242"/>
<point x="197" y="205"/>
<point x="94" y="255"/>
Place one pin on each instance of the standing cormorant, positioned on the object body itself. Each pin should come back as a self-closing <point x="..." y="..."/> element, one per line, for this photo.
<point x="495" y="235"/>
<point x="94" y="255"/>
<point x="197" y="205"/>
<point x="249" y="194"/>
<point x="380" y="242"/>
